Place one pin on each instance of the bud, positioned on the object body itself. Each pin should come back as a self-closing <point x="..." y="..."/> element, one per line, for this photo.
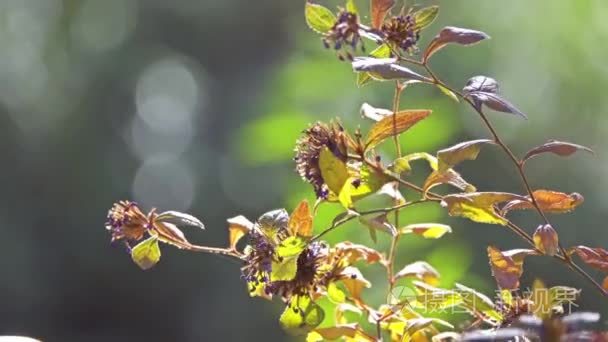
<point x="546" y="240"/>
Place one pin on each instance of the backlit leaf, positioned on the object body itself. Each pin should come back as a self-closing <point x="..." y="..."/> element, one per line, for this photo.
<point x="319" y="18"/>
<point x="426" y="230"/>
<point x="594" y="257"/>
<point x="379" y="9"/>
<point x="453" y="35"/>
<point x="301" y="315"/>
<point x="546" y="240"/>
<point x="379" y="222"/>
<point x="169" y="233"/>
<point x="351" y="6"/>
<point x="354" y="282"/>
<point x="425" y="17"/>
<point x="146" y="254"/>
<point x="179" y="218"/>
<point x="507" y="267"/>
<point x="433" y="299"/>
<point x="468" y="150"/>
<point x="285" y="267"/>
<point x="549" y="201"/>
<point x="363" y="78"/>
<point x="392" y="190"/>
<point x="394" y="124"/>
<point x="373" y="113"/>
<point x="451" y="177"/>
<point x="541" y="303"/>
<point x="479" y="304"/>
<point x="238" y="227"/>
<point x="350" y="332"/>
<point x="333" y="170"/>
<point x="478" y="206"/>
<point x="561" y="148"/>
<point x="383" y="69"/>
<point x="402" y="164"/>
<point x="421" y="270"/>
<point x="495" y="102"/>
<point x="300" y="221"/>
<point x="356" y="252"/>
<point x="334" y="294"/>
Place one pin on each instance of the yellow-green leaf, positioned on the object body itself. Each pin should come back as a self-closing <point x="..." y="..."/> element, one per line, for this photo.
<point x="146" y="254"/>
<point x="333" y="170"/>
<point x="301" y="315"/>
<point x="335" y="294"/>
<point x="402" y="164"/>
<point x="285" y="267"/>
<point x="478" y="206"/>
<point x="449" y="176"/>
<point x="477" y="302"/>
<point x="468" y="150"/>
<point x="319" y="18"/>
<point x="351" y="6"/>
<point x="393" y="125"/>
<point x="426" y="230"/>
<point x="448" y="92"/>
<point x="424" y="17"/>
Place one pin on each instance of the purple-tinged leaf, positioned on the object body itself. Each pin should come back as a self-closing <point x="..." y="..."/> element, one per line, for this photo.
<point x="495" y="102"/>
<point x="450" y="35"/>
<point x="561" y="148"/>
<point x="386" y="69"/>
<point x="481" y="83"/>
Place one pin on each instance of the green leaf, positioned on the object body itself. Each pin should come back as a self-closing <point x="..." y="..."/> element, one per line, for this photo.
<point x="402" y="164"/>
<point x="319" y="18"/>
<point x="425" y="17"/>
<point x="301" y="315"/>
<point x="448" y="92"/>
<point x="147" y="253"/>
<point x="356" y="188"/>
<point x="285" y="267"/>
<point x="363" y="78"/>
<point x="333" y="170"/>
<point x="335" y="294"/>
<point x="382" y="51"/>
<point x="291" y="247"/>
<point x="351" y="6"/>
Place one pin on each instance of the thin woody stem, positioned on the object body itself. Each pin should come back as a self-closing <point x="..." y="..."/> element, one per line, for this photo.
<point x="395" y="239"/>
<point x="214" y="250"/>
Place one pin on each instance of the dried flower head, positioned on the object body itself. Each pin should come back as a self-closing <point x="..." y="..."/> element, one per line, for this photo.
<point x="401" y="31"/>
<point x="308" y="148"/>
<point x="344" y="35"/>
<point x="127" y="222"/>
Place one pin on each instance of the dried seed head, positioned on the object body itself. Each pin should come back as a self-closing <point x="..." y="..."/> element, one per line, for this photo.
<point x="400" y="31"/>
<point x="126" y="221"/>
<point x="308" y="148"/>
<point x="344" y="35"/>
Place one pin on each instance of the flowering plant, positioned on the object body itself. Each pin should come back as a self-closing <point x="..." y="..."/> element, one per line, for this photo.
<point x="286" y="257"/>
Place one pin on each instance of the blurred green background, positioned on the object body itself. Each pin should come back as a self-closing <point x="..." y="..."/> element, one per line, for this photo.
<point x="195" y="105"/>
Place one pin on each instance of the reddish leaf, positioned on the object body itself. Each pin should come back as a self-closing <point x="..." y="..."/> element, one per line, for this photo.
<point x="605" y="285"/>
<point x="379" y="9"/>
<point x="385" y="128"/>
<point x="594" y="257"/>
<point x="507" y="267"/>
<point x="546" y="239"/>
<point x="358" y="252"/>
<point x="561" y="148"/>
<point x="549" y="201"/>
<point x="300" y="221"/>
<point x="453" y="35"/>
